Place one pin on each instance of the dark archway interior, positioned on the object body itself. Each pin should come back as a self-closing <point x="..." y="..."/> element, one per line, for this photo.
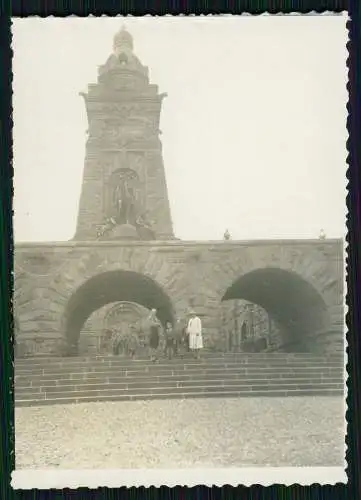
<point x="110" y="287"/>
<point x="289" y="299"/>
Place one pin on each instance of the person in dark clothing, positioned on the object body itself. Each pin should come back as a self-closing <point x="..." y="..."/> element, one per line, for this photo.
<point x="106" y="344"/>
<point x="117" y="342"/>
<point x="185" y="339"/>
<point x="181" y="343"/>
<point x="170" y="340"/>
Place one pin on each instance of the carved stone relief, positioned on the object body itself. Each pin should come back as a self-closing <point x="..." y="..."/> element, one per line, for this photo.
<point x="114" y="136"/>
<point x="123" y="112"/>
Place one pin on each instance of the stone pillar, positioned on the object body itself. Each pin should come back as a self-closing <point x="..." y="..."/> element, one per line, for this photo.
<point x="123" y="111"/>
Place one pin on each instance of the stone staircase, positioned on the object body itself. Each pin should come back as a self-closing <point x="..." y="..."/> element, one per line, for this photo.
<point x="45" y="381"/>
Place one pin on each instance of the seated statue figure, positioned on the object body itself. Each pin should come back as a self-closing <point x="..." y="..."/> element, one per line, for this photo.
<point x="105" y="228"/>
<point x="144" y="228"/>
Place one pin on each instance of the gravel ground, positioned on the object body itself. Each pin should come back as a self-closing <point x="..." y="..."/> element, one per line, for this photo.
<point x="304" y="431"/>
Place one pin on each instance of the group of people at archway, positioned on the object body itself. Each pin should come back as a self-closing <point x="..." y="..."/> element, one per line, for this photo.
<point x="172" y="339"/>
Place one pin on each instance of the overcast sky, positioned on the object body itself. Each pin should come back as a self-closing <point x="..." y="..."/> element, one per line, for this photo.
<point x="254" y="125"/>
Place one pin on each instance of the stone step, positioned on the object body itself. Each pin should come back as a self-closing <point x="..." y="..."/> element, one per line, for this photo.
<point x="113" y="377"/>
<point x="28" y="382"/>
<point x="154" y="381"/>
<point x="151" y="388"/>
<point x="225" y="393"/>
<point x="176" y="364"/>
<point x="21" y="392"/>
<point x="235" y="372"/>
<point x="207" y="355"/>
<point x="67" y="365"/>
<point x="179" y="367"/>
<point x="171" y="366"/>
<point x="206" y="375"/>
<point x="184" y="359"/>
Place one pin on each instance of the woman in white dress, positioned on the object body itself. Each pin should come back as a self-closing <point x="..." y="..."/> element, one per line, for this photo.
<point x="194" y="331"/>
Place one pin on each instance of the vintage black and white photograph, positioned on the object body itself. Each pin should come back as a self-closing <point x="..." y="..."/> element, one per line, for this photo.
<point x="179" y="248"/>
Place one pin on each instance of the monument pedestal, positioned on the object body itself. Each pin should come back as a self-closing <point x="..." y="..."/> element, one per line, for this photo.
<point x="123" y="232"/>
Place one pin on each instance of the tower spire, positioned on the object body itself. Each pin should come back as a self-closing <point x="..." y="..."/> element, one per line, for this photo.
<point x="124" y="192"/>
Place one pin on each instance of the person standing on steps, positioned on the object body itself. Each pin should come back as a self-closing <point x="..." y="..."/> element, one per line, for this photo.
<point x="194" y="330"/>
<point x="117" y="342"/>
<point x="170" y="340"/>
<point x="106" y="342"/>
<point x="154" y="335"/>
<point x="178" y="337"/>
<point x="182" y="347"/>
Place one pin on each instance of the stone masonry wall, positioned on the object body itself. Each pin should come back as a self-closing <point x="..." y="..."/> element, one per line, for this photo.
<point x="47" y="275"/>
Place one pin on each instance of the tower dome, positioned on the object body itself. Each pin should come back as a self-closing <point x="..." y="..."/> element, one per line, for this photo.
<point x="123" y="40"/>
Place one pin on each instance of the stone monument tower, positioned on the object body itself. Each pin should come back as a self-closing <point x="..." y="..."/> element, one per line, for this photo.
<point x="124" y="193"/>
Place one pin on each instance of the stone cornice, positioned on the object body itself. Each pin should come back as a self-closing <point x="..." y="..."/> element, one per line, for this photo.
<point x="179" y="243"/>
<point x="123" y="97"/>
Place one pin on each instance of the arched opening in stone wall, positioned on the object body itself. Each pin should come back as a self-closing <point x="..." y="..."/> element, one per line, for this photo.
<point x="113" y="288"/>
<point x="126" y="318"/>
<point x="274" y="309"/>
